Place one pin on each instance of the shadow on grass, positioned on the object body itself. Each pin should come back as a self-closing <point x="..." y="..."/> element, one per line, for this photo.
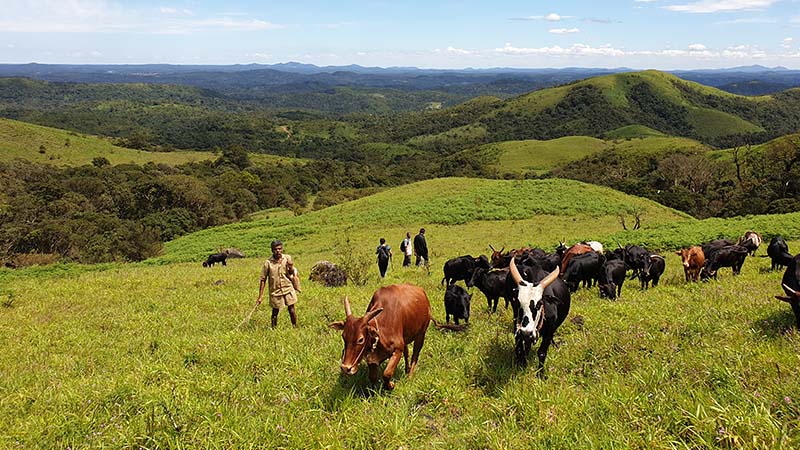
<point x="777" y="324"/>
<point x="358" y="386"/>
<point x="497" y="367"/>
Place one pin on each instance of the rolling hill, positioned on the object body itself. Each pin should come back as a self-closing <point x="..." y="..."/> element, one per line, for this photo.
<point x="653" y="99"/>
<point x="544" y="211"/>
<point x="58" y="147"/>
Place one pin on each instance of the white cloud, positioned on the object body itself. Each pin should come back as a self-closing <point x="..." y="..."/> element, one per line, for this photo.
<point x="175" y="11"/>
<point x="787" y="43"/>
<point x="697" y="47"/>
<point x="552" y="17"/>
<point x="574" y="50"/>
<point x="712" y="6"/>
<point x="564" y="30"/>
<point x="458" y="51"/>
<point x="644" y="1"/>
<point x="10" y="46"/>
<point x="694" y="51"/>
<point x="103" y="16"/>
<point x="747" y="20"/>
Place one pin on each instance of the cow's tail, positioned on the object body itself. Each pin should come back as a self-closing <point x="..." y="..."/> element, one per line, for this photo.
<point x="447" y="326"/>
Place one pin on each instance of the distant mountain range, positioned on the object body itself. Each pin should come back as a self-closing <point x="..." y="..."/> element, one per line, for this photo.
<point x="298" y="77"/>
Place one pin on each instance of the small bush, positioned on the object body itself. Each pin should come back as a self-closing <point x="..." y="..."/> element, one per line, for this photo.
<point x="354" y="264"/>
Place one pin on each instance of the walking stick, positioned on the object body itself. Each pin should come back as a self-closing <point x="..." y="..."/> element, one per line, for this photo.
<point x="249" y="316"/>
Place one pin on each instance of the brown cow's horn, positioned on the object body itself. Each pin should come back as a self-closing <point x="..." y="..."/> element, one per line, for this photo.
<point x="789" y="289"/>
<point x="549" y="279"/>
<point x="514" y="272"/>
<point x="347" y="311"/>
<point x="490" y="246"/>
<point x="371" y="315"/>
<point x="501" y="250"/>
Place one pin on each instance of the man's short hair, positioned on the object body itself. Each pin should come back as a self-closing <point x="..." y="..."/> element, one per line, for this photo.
<point x="422" y="230"/>
<point x="275" y="243"/>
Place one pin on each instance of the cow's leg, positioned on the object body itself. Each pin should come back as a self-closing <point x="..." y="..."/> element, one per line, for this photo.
<point x="489" y="302"/>
<point x="405" y="358"/>
<point x="447" y="317"/>
<point x="455" y="319"/>
<point x="655" y="281"/>
<point x="418" y="342"/>
<point x="521" y="349"/>
<point x="373" y="373"/>
<point x="547" y="339"/>
<point x="494" y="304"/>
<point x="391" y="366"/>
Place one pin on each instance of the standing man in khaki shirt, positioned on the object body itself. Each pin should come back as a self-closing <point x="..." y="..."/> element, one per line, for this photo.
<point x="279" y="271"/>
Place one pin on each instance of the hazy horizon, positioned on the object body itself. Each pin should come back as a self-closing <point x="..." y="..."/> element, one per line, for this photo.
<point x="450" y="34"/>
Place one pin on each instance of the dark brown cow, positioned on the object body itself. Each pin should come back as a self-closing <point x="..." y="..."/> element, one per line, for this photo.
<point x="397" y="316"/>
<point x="693" y="261"/>
<point x="575" y="250"/>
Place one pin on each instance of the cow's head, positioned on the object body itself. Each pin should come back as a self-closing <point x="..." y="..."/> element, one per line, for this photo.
<point x="608" y="290"/>
<point x="497" y="256"/>
<point x="685" y="255"/>
<point x="562" y="248"/>
<point x="531" y="313"/>
<point x="358" y="335"/>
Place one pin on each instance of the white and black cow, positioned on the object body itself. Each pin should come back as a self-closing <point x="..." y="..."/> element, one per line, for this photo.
<point x="542" y="305"/>
<point x="751" y="241"/>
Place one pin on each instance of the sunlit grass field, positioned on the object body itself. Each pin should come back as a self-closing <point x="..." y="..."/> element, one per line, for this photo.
<point x="152" y="355"/>
<point x="20" y="140"/>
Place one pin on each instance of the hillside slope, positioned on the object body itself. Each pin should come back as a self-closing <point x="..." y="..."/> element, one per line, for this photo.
<point x="660" y="101"/>
<point x="469" y="213"/>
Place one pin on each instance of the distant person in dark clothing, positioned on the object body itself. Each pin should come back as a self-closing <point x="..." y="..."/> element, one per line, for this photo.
<point x="407" y="249"/>
<point x="421" y="248"/>
<point x="384" y="253"/>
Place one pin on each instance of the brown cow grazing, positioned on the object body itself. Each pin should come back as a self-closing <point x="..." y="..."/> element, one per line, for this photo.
<point x="693" y="261"/>
<point x="397" y="316"/>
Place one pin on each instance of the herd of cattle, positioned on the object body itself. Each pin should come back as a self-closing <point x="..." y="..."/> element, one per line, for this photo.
<point x="538" y="285"/>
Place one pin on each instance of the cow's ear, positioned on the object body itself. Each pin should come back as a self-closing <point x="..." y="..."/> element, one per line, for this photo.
<point x="678" y="253"/>
<point x="337" y="325"/>
<point x="785" y="299"/>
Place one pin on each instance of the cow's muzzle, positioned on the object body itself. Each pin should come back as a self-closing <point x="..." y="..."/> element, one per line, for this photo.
<point x="349" y="369"/>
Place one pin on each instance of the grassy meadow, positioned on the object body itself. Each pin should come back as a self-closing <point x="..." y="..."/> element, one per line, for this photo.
<point x="152" y="355"/>
<point x="541" y="157"/>
<point x="36" y="143"/>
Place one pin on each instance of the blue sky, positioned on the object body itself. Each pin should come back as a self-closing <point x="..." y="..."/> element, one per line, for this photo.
<point x="660" y="34"/>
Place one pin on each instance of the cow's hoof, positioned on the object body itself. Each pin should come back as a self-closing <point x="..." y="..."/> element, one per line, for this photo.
<point x="389" y="385"/>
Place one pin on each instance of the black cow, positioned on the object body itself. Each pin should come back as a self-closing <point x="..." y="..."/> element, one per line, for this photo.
<point x="492" y="283"/>
<point x="542" y="305"/>
<point x="584" y="268"/>
<point x="709" y="248"/>
<point x="612" y="278"/>
<point x="653" y="266"/>
<point x="732" y="256"/>
<point x="215" y="258"/>
<point x="632" y="256"/>
<point x="456" y="303"/>
<point x="461" y="268"/>
<point x="778" y="251"/>
<point x="791" y="285"/>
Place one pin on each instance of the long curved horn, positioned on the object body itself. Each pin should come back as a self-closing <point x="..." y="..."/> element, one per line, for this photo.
<point x="549" y="279"/>
<point x="618" y="245"/>
<point x="490" y="246"/>
<point x="501" y="250"/>
<point x="514" y="272"/>
<point x="789" y="289"/>
<point x="371" y="315"/>
<point x="347" y="311"/>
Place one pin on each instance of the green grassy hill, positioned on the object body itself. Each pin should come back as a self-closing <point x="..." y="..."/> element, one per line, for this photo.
<point x="654" y="100"/>
<point x="152" y="355"/>
<point x="541" y="157"/>
<point x="451" y="209"/>
<point x="66" y="148"/>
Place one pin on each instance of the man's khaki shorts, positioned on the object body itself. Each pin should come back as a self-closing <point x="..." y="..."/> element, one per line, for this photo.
<point x="279" y="301"/>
